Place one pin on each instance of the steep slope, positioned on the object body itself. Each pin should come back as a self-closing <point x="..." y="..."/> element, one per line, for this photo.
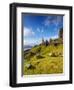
<point x="43" y="59"/>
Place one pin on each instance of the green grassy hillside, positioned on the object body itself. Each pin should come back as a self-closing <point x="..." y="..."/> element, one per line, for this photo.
<point x="43" y="59"/>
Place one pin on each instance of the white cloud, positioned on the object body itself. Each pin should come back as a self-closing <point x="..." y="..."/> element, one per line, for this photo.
<point x="28" y="32"/>
<point x="25" y="42"/>
<point x="38" y="29"/>
<point x="31" y="42"/>
<point x="28" y="42"/>
<point x="54" y="37"/>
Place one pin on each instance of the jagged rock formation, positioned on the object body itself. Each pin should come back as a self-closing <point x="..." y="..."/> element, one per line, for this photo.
<point x="56" y="41"/>
<point x="43" y="42"/>
<point x="46" y="43"/>
<point x="61" y="33"/>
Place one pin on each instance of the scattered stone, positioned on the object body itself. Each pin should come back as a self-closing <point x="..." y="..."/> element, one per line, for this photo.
<point x="27" y="65"/>
<point x="38" y="56"/>
<point x="30" y="66"/>
<point x="61" y="54"/>
<point x="50" y="54"/>
<point x="55" y="54"/>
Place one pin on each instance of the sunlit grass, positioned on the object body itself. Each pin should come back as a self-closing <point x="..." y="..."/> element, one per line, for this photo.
<point x="45" y="65"/>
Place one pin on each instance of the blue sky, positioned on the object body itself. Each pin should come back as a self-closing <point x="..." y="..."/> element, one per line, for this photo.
<point x="36" y="27"/>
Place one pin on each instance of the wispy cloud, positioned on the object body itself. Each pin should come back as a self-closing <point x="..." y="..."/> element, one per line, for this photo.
<point x="28" y="32"/>
<point x="40" y="30"/>
<point x="47" y="21"/>
<point x="56" y="20"/>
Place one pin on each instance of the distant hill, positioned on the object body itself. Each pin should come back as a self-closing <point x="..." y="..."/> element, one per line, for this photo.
<point x="26" y="47"/>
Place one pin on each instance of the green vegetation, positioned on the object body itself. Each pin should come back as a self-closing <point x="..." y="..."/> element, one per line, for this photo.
<point x="43" y="59"/>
